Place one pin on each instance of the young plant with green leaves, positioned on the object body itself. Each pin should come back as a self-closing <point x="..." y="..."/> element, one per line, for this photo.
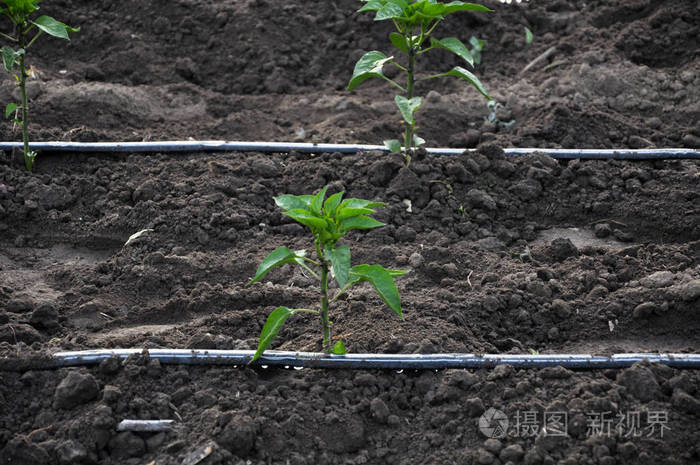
<point x="25" y="32"/>
<point x="414" y="21"/>
<point x="477" y="48"/>
<point x="329" y="220"/>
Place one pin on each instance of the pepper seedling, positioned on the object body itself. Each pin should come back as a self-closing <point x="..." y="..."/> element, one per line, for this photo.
<point x="20" y="12"/>
<point x="329" y="220"/>
<point x="415" y="21"/>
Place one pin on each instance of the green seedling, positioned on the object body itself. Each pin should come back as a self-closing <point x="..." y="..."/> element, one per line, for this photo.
<point x="329" y="220"/>
<point x="529" y="36"/>
<point x="414" y="21"/>
<point x="524" y="256"/>
<point x="26" y="32"/>
<point x="477" y="48"/>
<point x="493" y="117"/>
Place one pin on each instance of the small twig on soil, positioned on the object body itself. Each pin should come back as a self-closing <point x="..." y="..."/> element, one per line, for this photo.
<point x="69" y="133"/>
<point x="344" y="335"/>
<point x="175" y="412"/>
<point x="469" y="280"/>
<point x="14" y="336"/>
<point x="549" y="52"/>
<point x="447" y="185"/>
<point x="45" y="428"/>
<point x="107" y="316"/>
<point x="608" y="220"/>
<point x="554" y="64"/>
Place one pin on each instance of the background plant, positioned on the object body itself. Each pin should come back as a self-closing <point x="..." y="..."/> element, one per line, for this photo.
<point x="529" y="36"/>
<point x="477" y="47"/>
<point x="494" y="114"/>
<point x="329" y="220"/>
<point x="415" y="21"/>
<point x="20" y="12"/>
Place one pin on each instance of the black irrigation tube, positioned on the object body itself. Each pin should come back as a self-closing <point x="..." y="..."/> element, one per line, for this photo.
<point x="376" y="361"/>
<point x="281" y="147"/>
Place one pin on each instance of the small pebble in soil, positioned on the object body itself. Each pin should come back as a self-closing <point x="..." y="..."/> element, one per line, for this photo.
<point x="640" y="382"/>
<point x="644" y="310"/>
<point x="76" y="388"/>
<point x="602" y="230"/>
<point x="623" y="236"/>
<point x="560" y="249"/>
<point x="415" y="260"/>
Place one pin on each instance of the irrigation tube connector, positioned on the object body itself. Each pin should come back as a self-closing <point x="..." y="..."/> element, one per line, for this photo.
<point x="284" y="147"/>
<point x="376" y="361"/>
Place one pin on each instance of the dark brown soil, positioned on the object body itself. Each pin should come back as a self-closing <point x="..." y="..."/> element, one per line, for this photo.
<point x="506" y="254"/>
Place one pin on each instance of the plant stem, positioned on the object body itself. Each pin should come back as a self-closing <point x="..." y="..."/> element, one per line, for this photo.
<point x="8" y="37"/>
<point x="23" y="90"/>
<point x="324" y="308"/>
<point x="325" y="324"/>
<point x="33" y="40"/>
<point x="408" y="137"/>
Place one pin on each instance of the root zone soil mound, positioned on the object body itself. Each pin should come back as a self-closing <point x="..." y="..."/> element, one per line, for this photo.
<point x="506" y="254"/>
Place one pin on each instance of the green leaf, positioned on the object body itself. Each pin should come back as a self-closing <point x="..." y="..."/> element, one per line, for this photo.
<point x="399" y="41"/>
<point x="10" y="109"/>
<point x="9" y="56"/>
<point x="462" y="6"/>
<point x="340" y="262"/>
<point x="455" y="46"/>
<point x="418" y="141"/>
<point x="359" y="222"/>
<point x="398" y="272"/>
<point x="331" y="204"/>
<point x="392" y="9"/>
<point x="53" y="27"/>
<point x="383" y="282"/>
<point x="393" y="145"/>
<point x="293" y="202"/>
<point x="394" y="273"/>
<point x="345" y="213"/>
<point x="360" y="203"/>
<point x="339" y="348"/>
<point x="372" y="5"/>
<point x="19" y="10"/>
<point x="278" y="257"/>
<point x="317" y="202"/>
<point x="408" y="107"/>
<point x="476" y="44"/>
<point x="307" y="218"/>
<point x="369" y="66"/>
<point x="529" y="37"/>
<point x="272" y="326"/>
<point x="462" y="73"/>
<point x="477" y="47"/>
<point x="444" y="9"/>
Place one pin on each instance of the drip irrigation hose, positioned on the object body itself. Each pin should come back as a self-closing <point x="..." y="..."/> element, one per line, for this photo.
<point x="376" y="361"/>
<point x="282" y="147"/>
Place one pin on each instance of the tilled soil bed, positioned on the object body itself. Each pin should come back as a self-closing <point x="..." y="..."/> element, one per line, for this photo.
<point x="506" y="254"/>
